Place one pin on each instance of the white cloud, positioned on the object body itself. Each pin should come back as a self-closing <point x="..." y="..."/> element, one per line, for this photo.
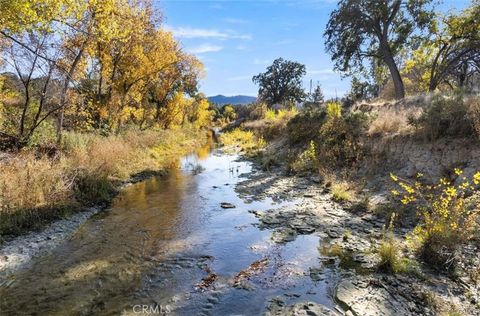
<point x="240" y="78"/>
<point x="190" y="32"/>
<point x="205" y="48"/>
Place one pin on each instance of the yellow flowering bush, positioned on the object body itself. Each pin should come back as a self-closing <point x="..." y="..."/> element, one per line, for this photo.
<point x="307" y="160"/>
<point x="334" y="109"/>
<point x="246" y="140"/>
<point x="446" y="221"/>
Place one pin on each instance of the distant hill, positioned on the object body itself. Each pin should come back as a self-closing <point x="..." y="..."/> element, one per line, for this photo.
<point x="236" y="99"/>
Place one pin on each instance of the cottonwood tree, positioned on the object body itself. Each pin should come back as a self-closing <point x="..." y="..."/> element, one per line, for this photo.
<point x="32" y="104"/>
<point x="68" y="26"/>
<point x="100" y="64"/>
<point x="281" y="83"/>
<point x="179" y="78"/>
<point x="378" y="29"/>
<point x="28" y="15"/>
<point x="455" y="49"/>
<point x="451" y="56"/>
<point x="32" y="48"/>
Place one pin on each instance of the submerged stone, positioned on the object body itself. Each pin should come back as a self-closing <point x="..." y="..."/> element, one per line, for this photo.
<point x="301" y="308"/>
<point x="284" y="235"/>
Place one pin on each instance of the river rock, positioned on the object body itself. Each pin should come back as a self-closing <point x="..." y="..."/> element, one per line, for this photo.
<point x="284" y="235"/>
<point x="256" y="213"/>
<point x="316" y="274"/>
<point x="271" y="220"/>
<point x="369" y="300"/>
<point x="300" y="309"/>
<point x="334" y="232"/>
<point x="286" y="214"/>
<point x="227" y="205"/>
<point x="302" y="228"/>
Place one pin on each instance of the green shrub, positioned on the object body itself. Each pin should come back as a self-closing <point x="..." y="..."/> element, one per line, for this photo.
<point x="257" y="111"/>
<point x="336" y="135"/>
<point x="474" y="113"/>
<point x="92" y="189"/>
<point x="446" y="116"/>
<point x="389" y="255"/>
<point x="339" y="139"/>
<point x="305" y="126"/>
<point x="391" y="259"/>
<point x="334" y="109"/>
<point x="307" y="160"/>
<point x="76" y="141"/>
<point x="273" y="125"/>
<point x="44" y="135"/>
<point x="270" y="115"/>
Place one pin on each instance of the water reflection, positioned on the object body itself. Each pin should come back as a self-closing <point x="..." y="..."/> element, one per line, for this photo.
<point x="158" y="240"/>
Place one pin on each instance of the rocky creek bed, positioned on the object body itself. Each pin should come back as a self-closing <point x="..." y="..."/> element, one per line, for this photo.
<point x="221" y="236"/>
<point x="19" y="252"/>
<point x="349" y="241"/>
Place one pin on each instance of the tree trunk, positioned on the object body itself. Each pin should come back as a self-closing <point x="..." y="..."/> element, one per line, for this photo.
<point x="432" y="86"/>
<point x="394" y="72"/>
<point x="397" y="79"/>
<point x="66" y="83"/>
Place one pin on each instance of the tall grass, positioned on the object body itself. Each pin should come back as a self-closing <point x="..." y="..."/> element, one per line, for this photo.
<point x="87" y="171"/>
<point x="246" y="140"/>
<point x="390" y="121"/>
<point x="273" y="124"/>
<point x="341" y="191"/>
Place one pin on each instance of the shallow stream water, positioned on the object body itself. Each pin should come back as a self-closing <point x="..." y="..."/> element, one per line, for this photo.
<point x="165" y="245"/>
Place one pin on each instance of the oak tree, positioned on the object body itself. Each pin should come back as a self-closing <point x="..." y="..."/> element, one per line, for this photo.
<point x="378" y="29"/>
<point x="281" y="83"/>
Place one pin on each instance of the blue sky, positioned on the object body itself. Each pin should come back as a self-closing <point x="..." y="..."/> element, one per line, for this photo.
<point x="238" y="39"/>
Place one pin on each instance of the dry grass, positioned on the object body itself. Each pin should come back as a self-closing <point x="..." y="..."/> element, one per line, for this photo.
<point x="35" y="189"/>
<point x="392" y="122"/>
<point x="32" y="189"/>
<point x="273" y="125"/>
<point x="431" y="115"/>
<point x="342" y="192"/>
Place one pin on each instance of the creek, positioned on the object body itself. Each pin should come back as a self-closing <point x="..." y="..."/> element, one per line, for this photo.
<point x="166" y="245"/>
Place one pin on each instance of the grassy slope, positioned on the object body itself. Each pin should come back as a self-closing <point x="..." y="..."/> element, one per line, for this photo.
<point x="36" y="189"/>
